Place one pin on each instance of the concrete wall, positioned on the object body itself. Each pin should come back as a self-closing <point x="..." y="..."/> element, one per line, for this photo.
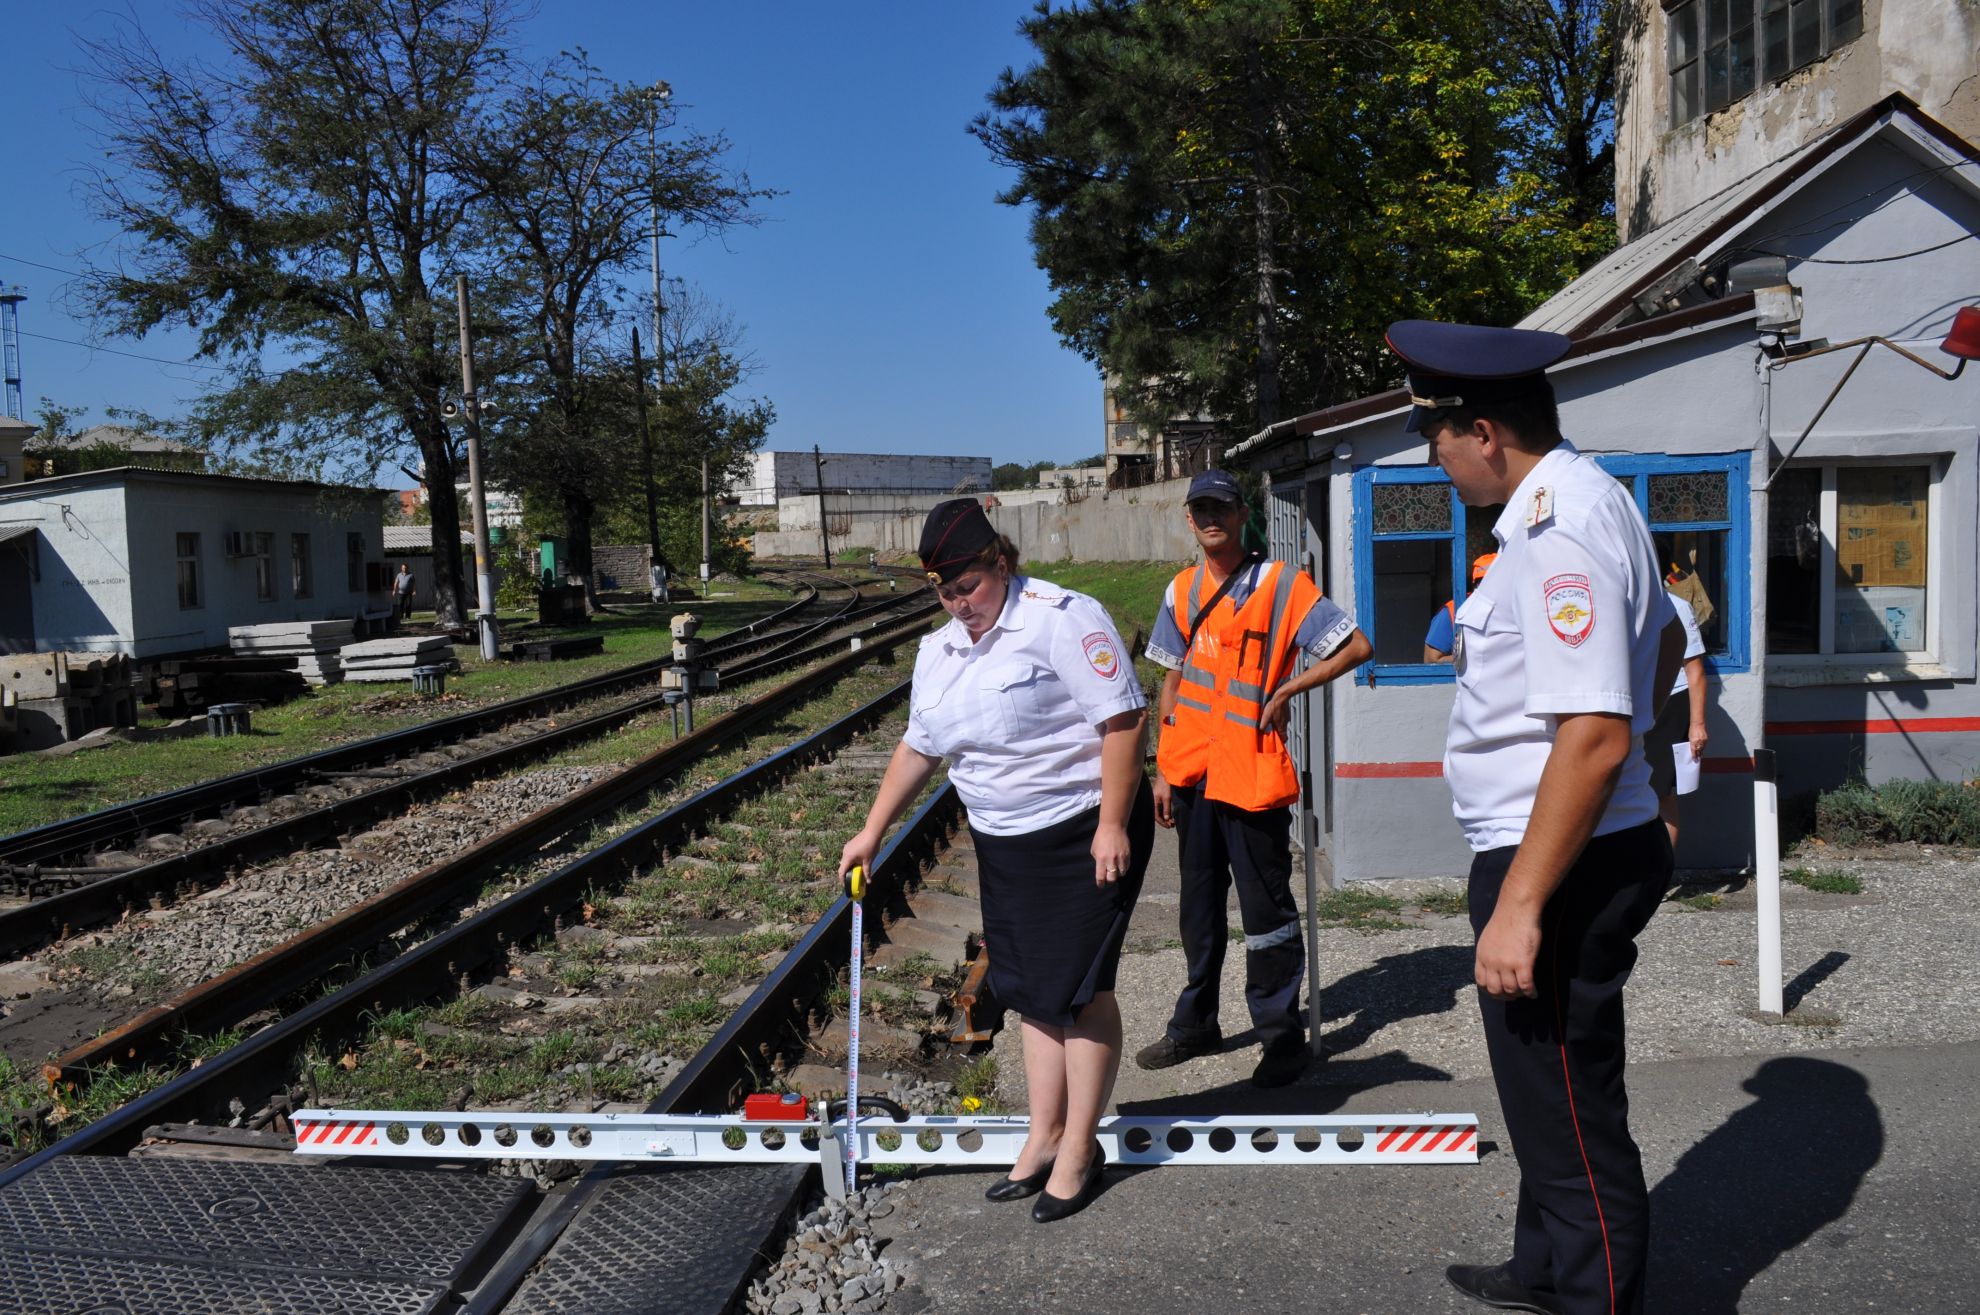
<point x="625" y="564"/>
<point x="778" y="475"/>
<point x="1144" y="524"/>
<point x="1923" y="48"/>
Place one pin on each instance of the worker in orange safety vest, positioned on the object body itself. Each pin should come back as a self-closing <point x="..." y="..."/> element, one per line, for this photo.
<point x="1231" y="631"/>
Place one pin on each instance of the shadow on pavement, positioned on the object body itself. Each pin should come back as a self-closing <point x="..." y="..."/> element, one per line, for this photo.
<point x="1761" y="1184"/>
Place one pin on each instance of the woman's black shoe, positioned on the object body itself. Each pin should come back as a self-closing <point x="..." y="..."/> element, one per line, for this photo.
<point x="1016" y="1189"/>
<point x="1048" y="1207"/>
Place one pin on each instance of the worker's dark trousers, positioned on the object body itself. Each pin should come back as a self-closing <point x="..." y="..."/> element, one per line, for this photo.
<point x="1221" y="843"/>
<point x="1583" y="1221"/>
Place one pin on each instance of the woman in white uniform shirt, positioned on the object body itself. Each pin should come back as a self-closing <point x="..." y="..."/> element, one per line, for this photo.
<point x="1028" y="694"/>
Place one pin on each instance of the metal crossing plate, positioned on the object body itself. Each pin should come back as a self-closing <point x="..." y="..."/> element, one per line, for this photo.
<point x="216" y="1226"/>
<point x="691" y="1233"/>
<point x="71" y="1283"/>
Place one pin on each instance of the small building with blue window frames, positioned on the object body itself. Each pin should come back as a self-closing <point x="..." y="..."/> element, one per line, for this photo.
<point x="1835" y="581"/>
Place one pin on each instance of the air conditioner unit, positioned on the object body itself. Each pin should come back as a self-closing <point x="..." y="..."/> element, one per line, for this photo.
<point x="234" y="543"/>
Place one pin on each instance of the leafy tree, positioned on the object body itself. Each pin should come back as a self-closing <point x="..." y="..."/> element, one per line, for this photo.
<point x="303" y="196"/>
<point x="1232" y="200"/>
<point x="571" y="173"/>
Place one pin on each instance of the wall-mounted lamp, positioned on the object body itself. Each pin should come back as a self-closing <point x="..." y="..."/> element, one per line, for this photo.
<point x="1343" y="451"/>
<point x="1962" y="342"/>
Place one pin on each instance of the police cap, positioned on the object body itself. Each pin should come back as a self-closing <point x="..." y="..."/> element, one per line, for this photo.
<point x="954" y="535"/>
<point x="1453" y="365"/>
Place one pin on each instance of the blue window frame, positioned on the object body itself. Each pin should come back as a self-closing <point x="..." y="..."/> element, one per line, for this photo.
<point x="1412" y="552"/>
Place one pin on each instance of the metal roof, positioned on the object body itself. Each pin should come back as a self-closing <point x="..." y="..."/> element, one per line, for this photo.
<point x="8" y="532"/>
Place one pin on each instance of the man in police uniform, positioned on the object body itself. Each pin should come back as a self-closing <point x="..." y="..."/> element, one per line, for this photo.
<point x="1564" y="652"/>
<point x="1230" y="632"/>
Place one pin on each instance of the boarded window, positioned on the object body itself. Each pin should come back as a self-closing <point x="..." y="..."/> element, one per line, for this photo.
<point x="264" y="566"/>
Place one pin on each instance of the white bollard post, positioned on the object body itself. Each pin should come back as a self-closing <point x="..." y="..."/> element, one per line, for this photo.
<point x="1767" y="878"/>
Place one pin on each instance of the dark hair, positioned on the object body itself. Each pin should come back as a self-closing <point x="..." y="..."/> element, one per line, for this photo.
<point x="1533" y="417"/>
<point x="998" y="549"/>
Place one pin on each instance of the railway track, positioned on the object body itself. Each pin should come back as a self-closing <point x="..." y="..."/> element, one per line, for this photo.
<point x="65" y="847"/>
<point x="521" y="1238"/>
<point x="373" y="779"/>
<point x="285" y="969"/>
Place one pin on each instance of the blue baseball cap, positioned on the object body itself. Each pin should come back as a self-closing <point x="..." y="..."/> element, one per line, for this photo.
<point x="1454" y="365"/>
<point x="1218" y="484"/>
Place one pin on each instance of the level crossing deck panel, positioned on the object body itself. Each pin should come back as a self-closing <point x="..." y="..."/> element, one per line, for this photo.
<point x="77" y="1283"/>
<point x="169" y="1234"/>
<point x="692" y="1234"/>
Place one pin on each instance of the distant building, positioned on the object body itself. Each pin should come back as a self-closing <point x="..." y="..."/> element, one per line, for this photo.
<point x="104" y="447"/>
<point x="150" y="562"/>
<point x="776" y="475"/>
<point x="1080" y="477"/>
<point x="13" y="438"/>
<point x="1184" y="445"/>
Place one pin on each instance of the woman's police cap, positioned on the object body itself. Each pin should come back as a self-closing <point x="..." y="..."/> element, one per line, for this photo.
<point x="1465" y="365"/>
<point x="954" y="535"/>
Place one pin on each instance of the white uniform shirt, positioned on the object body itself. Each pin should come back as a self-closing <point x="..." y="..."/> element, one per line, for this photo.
<point x="1567" y="620"/>
<point x="1694" y="642"/>
<point x="1017" y="712"/>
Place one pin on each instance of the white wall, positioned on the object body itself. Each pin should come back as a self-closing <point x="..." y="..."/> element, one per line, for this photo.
<point x="778" y="475"/>
<point x="109" y="560"/>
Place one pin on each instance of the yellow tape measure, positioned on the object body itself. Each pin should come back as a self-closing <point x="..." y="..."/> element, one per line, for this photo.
<point x="856" y="882"/>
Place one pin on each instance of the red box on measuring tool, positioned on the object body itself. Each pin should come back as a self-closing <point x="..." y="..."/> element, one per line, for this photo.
<point x="769" y="1107"/>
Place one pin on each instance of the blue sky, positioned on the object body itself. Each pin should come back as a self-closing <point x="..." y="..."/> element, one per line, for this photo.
<point x="891" y="304"/>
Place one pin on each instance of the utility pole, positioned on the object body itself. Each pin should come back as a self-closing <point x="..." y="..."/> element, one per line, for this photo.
<point x="477" y="494"/>
<point x="824" y="535"/>
<point x="656" y="574"/>
<point x="657" y="97"/>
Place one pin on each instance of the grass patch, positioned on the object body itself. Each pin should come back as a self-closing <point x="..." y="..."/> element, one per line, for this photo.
<point x="1829" y="881"/>
<point x="1360" y="910"/>
<point x="40" y="790"/>
<point x="1703" y="903"/>
<point x="1450" y="904"/>
<point x="1900" y="812"/>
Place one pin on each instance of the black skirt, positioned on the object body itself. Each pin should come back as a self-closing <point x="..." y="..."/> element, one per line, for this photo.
<point x="1055" y="936"/>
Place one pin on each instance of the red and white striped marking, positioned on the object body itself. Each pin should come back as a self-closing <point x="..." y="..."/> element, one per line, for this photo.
<point x="336" y="1132"/>
<point x="1426" y="1139"/>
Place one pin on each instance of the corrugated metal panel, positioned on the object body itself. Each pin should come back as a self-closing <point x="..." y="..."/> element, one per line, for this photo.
<point x="1286" y="535"/>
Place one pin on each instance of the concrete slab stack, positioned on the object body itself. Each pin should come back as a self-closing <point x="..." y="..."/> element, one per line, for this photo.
<point x="63" y="696"/>
<point x="313" y="644"/>
<point x="394" y="659"/>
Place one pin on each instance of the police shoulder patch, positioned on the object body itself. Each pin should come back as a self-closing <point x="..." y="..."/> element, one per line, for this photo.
<point x="1102" y="654"/>
<point x="1570" y="607"/>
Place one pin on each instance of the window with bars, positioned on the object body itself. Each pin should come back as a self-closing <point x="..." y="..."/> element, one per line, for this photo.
<point x="188" y="560"/>
<point x="1414" y="542"/>
<point x="1718" y="51"/>
<point x="302" y="571"/>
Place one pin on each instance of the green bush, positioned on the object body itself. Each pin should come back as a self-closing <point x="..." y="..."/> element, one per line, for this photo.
<point x="1916" y="812"/>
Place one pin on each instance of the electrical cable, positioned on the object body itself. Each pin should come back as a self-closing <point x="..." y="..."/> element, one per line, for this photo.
<point x="135" y="356"/>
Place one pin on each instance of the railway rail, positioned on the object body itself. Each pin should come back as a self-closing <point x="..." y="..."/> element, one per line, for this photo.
<point x="379" y="790"/>
<point x="516" y="1232"/>
<point x="48" y="847"/>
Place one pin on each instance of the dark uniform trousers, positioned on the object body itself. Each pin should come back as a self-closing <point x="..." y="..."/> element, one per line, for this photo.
<point x="1220" y="843"/>
<point x="1582" y="1226"/>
